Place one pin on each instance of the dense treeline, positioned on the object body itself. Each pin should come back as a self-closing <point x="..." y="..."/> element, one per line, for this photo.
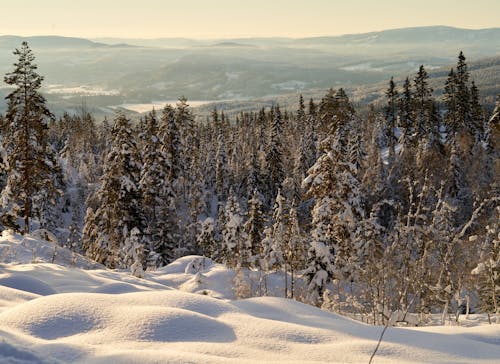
<point x="392" y="211"/>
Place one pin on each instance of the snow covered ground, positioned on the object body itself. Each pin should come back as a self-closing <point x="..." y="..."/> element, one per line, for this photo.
<point x="76" y="311"/>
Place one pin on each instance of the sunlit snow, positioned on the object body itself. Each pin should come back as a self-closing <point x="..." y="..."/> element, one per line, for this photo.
<point x="66" y="312"/>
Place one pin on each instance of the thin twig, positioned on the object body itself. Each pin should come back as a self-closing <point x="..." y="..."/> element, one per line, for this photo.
<point x="379" y="341"/>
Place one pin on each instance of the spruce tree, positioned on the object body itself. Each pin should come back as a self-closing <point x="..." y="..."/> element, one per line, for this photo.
<point x="275" y="163"/>
<point x="463" y="95"/>
<point x="158" y="197"/>
<point x="476" y="125"/>
<point x="171" y="141"/>
<point x="406" y="116"/>
<point x="118" y="201"/>
<point x="423" y="94"/>
<point x="391" y="113"/>
<point x="337" y="210"/>
<point x="450" y="100"/>
<point x="32" y="172"/>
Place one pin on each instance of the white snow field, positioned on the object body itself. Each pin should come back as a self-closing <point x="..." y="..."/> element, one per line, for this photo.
<point x="63" y="313"/>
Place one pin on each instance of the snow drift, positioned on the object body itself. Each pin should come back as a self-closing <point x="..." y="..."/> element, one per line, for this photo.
<point x="50" y="313"/>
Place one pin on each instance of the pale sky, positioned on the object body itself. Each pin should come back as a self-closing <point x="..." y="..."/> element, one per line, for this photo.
<point x="236" y="18"/>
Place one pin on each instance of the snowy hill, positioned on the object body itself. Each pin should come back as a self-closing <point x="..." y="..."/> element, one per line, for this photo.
<point x="52" y="313"/>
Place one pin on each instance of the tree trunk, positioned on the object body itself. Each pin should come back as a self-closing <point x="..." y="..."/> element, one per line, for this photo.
<point x="286" y="282"/>
<point x="445" y="311"/>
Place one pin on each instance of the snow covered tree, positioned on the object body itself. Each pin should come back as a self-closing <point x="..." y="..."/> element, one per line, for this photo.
<point x="476" y="125"/>
<point x="32" y="172"/>
<point x="423" y="94"/>
<point x="254" y="227"/>
<point x="171" y="141"/>
<point x="295" y="251"/>
<point x="391" y="113"/>
<point x="406" y="116"/>
<point x="118" y="200"/>
<point x="275" y="163"/>
<point x="158" y="197"/>
<point x="493" y="146"/>
<point x="463" y="95"/>
<point x="274" y="255"/>
<point x="457" y="184"/>
<point x="221" y="167"/>
<point x="206" y="241"/>
<point x="236" y="251"/>
<point x="488" y="269"/>
<point x="335" y="214"/>
<point x="134" y="248"/>
<point x="450" y="100"/>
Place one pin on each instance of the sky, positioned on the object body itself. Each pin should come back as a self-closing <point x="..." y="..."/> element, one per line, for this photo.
<point x="236" y="18"/>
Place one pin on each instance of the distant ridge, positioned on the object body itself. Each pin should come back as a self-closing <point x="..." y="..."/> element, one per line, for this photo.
<point x="51" y="41"/>
<point x="419" y="35"/>
<point x="415" y="34"/>
<point x="230" y="44"/>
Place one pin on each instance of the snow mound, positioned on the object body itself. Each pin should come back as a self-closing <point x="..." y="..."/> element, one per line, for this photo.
<point x="12" y="355"/>
<point x="116" y="288"/>
<point x="55" y="316"/>
<point x="11" y="296"/>
<point x="103" y="316"/>
<point x="131" y="317"/>
<point x="25" y="249"/>
<point x="26" y="283"/>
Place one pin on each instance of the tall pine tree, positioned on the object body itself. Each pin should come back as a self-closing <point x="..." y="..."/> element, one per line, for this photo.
<point x="32" y="169"/>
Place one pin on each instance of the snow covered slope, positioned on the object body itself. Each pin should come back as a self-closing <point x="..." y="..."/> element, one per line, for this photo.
<point x="55" y="314"/>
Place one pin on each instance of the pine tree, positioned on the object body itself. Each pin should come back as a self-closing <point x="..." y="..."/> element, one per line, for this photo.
<point x="275" y="163"/>
<point x="476" y="125"/>
<point x="31" y="186"/>
<point x="423" y="94"/>
<point x="171" y="140"/>
<point x="221" y="167"/>
<point x="406" y="116"/>
<point x="450" y="100"/>
<point x="463" y="95"/>
<point x="391" y="113"/>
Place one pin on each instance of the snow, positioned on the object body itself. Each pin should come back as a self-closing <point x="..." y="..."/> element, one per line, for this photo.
<point x="66" y="312"/>
<point x="157" y="105"/>
<point x="289" y="85"/>
<point x="82" y="90"/>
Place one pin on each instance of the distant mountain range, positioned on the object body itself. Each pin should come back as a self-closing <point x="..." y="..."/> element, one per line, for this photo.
<point x="108" y="72"/>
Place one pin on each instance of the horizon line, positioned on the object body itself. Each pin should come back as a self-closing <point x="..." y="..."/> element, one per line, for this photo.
<point x="198" y="38"/>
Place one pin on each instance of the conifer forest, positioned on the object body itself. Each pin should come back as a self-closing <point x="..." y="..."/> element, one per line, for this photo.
<point x="366" y="210"/>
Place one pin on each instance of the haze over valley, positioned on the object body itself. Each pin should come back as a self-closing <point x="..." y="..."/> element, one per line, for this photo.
<point x="137" y="74"/>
